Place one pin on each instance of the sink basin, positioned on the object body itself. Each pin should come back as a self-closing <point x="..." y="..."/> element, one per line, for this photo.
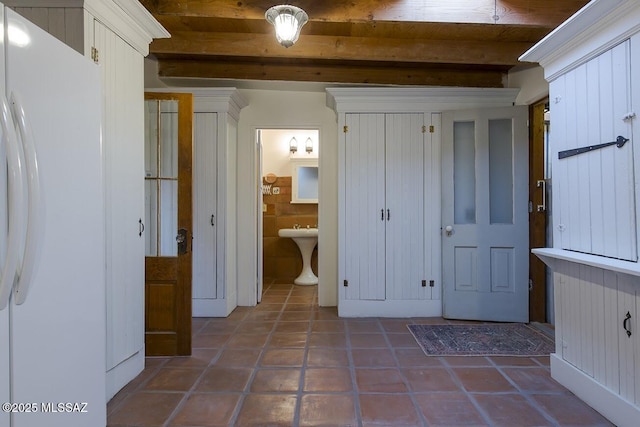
<point x="306" y="239"/>
<point x="298" y="232"/>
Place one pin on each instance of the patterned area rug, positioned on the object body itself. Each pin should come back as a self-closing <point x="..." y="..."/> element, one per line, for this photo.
<point x="500" y="339"/>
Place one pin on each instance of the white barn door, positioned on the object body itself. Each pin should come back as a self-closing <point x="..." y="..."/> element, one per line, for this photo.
<point x="485" y="240"/>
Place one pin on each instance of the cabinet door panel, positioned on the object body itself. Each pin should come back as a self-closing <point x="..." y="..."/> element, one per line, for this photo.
<point x="204" y="206"/>
<point x="404" y="215"/>
<point x="122" y="78"/>
<point x="365" y="207"/>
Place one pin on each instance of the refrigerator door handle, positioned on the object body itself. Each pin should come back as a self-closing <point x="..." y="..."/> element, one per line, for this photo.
<point x="16" y="170"/>
<point x="35" y="205"/>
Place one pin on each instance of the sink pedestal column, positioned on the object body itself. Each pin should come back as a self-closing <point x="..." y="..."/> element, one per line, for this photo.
<point x="306" y="246"/>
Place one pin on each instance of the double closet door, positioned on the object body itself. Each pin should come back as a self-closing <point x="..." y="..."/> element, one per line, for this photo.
<point x="385" y="177"/>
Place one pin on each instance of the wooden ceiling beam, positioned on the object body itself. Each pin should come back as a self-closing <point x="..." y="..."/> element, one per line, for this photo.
<point x="330" y="73"/>
<point x="547" y="13"/>
<point x="342" y="48"/>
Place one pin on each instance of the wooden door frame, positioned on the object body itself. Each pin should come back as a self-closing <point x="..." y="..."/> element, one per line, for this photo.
<point x="537" y="220"/>
<point x="175" y="340"/>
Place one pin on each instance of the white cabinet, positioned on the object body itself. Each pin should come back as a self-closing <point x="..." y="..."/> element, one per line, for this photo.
<point x="215" y="124"/>
<point x="117" y="36"/>
<point x="386" y="265"/>
<point x="598" y="337"/>
<point x="590" y="62"/>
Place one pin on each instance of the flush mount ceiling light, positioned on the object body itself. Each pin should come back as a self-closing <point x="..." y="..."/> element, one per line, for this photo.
<point x="288" y="21"/>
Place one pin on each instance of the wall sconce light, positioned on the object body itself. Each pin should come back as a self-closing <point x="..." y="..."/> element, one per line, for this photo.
<point x="308" y="146"/>
<point x="288" y="21"/>
<point x="293" y="145"/>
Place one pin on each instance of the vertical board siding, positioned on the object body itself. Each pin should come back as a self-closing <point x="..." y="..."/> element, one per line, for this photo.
<point x="64" y="23"/>
<point x="204" y="205"/>
<point x="404" y="195"/>
<point x="364" y="205"/>
<point x="123" y="118"/>
<point x="594" y="192"/>
<point x="589" y="333"/>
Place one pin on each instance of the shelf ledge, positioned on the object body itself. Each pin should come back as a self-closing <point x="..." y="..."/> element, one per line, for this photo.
<point x="550" y="256"/>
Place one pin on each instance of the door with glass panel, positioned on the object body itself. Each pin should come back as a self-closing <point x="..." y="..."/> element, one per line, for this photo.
<point x="485" y="240"/>
<point x="168" y="219"/>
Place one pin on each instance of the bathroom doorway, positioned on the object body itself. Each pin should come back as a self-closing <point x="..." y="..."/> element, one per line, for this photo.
<point x="287" y="171"/>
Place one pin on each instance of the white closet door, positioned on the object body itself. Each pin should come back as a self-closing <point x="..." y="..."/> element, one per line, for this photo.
<point x="204" y="207"/>
<point x="365" y="207"/>
<point x="404" y="212"/>
<point x="123" y="146"/>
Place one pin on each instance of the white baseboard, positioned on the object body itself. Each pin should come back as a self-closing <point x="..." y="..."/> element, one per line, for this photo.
<point x="390" y="308"/>
<point x="201" y="307"/>
<point x="121" y="374"/>
<point x="616" y="409"/>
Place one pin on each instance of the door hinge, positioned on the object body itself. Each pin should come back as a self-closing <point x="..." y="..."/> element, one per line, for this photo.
<point x="530" y="285"/>
<point x="95" y="56"/>
<point x="345" y="129"/>
<point x="345" y="283"/>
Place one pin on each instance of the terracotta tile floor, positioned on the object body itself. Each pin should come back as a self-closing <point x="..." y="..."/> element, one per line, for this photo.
<point x="288" y="362"/>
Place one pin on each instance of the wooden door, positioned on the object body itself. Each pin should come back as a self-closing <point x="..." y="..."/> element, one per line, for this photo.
<point x="537" y="212"/>
<point x="485" y="215"/>
<point x="168" y="205"/>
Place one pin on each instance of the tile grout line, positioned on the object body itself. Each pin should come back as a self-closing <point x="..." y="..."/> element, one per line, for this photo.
<point x="525" y="395"/>
<point x="247" y="388"/>
<point x="410" y="390"/>
<point x="352" y="371"/>
<point x="463" y="389"/>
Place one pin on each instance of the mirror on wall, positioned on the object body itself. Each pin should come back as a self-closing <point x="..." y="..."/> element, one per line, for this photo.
<point x="304" y="180"/>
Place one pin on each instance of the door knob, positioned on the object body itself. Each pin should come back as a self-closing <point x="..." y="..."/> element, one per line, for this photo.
<point x="449" y="230"/>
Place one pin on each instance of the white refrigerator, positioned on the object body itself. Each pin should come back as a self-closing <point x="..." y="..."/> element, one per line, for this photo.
<point x="52" y="230"/>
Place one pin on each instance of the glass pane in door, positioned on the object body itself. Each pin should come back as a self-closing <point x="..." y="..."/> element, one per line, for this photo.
<point x="161" y="177"/>
<point x="500" y="171"/>
<point x="464" y="172"/>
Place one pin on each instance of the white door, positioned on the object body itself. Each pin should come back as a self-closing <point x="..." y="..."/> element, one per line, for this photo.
<point x="485" y="240"/>
<point x="205" y="185"/>
<point x="364" y="232"/>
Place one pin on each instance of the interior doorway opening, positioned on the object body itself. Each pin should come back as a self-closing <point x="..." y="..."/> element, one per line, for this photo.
<point x="288" y="172"/>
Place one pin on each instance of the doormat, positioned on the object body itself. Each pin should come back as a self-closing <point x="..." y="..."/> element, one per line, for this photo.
<point x="499" y="339"/>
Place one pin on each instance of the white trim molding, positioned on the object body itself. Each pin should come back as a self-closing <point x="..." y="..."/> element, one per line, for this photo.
<point x="205" y="100"/>
<point x="594" y="29"/>
<point x="416" y="99"/>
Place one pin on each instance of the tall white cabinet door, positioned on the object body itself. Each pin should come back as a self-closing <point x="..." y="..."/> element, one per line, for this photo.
<point x="364" y="233"/>
<point x="485" y="215"/>
<point x="404" y="212"/>
<point x="123" y="145"/>
<point x="204" y="209"/>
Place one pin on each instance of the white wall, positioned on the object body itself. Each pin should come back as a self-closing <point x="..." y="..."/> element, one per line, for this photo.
<point x="533" y="86"/>
<point x="276" y="156"/>
<point x="287" y="110"/>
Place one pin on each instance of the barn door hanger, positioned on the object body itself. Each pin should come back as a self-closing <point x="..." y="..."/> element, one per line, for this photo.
<point x="619" y="142"/>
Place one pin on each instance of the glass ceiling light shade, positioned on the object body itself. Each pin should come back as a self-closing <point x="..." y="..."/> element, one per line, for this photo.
<point x="288" y="21"/>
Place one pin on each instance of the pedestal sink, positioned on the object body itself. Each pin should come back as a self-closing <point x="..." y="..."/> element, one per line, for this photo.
<point x="306" y="239"/>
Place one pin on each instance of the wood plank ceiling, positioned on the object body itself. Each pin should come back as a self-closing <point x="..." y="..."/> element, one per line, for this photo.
<point x="403" y="42"/>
